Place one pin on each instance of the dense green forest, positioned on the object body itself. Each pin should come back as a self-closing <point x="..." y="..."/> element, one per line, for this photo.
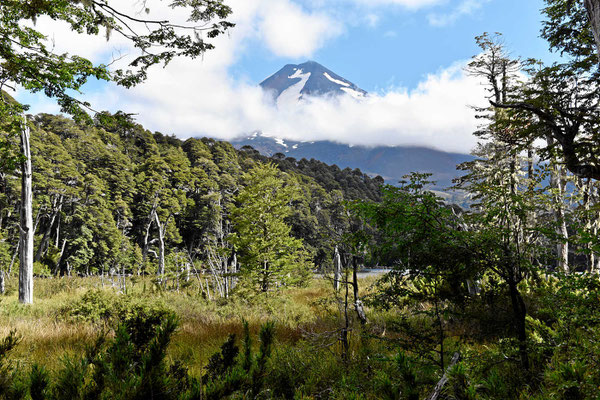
<point x="134" y="265"/>
<point x="115" y="198"/>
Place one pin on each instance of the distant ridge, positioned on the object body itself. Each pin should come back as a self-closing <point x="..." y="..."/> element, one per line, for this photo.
<point x="391" y="163"/>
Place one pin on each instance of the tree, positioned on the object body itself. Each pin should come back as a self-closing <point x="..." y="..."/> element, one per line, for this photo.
<point x="564" y="97"/>
<point x="432" y="258"/>
<point x="270" y="257"/>
<point x="28" y="61"/>
<point x="508" y="134"/>
<point x="26" y="226"/>
<point x="593" y="11"/>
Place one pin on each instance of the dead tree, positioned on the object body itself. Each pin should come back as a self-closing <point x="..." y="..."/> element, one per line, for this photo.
<point x="337" y="269"/>
<point x="26" y="226"/>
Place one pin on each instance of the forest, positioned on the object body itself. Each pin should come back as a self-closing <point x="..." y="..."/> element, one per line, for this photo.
<point x="136" y="265"/>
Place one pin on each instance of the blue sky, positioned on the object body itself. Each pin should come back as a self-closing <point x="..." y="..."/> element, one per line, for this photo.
<point x="408" y="54"/>
<point x="403" y="46"/>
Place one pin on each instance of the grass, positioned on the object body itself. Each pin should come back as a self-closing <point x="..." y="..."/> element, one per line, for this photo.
<point x="69" y="313"/>
<point x="48" y="332"/>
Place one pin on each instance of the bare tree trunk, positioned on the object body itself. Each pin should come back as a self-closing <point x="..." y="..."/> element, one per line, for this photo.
<point x="60" y="256"/>
<point x="358" y="306"/>
<point x="57" y="240"/>
<point x="208" y="290"/>
<point x="346" y="327"/>
<point x="337" y="269"/>
<point x="46" y="238"/>
<point x="225" y="279"/>
<point x="26" y="227"/>
<point x="593" y="10"/>
<point x="233" y="279"/>
<point x="437" y="391"/>
<point x="585" y="187"/>
<point x="147" y="235"/>
<point x="557" y="183"/>
<point x="161" y="245"/>
<point x="2" y="286"/>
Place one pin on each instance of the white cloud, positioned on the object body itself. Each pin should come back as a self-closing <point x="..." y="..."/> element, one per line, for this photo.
<point x="199" y="97"/>
<point x="435" y="114"/>
<point x="466" y="7"/>
<point x="372" y="20"/>
<point x="288" y="31"/>
<point x="410" y="4"/>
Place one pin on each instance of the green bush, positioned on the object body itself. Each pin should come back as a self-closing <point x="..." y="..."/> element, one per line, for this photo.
<point x="93" y="306"/>
<point x="111" y="308"/>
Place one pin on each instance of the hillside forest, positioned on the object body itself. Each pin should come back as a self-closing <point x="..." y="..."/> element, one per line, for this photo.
<point x="136" y="265"/>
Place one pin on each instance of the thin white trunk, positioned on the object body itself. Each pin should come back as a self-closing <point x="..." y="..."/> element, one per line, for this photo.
<point x="561" y="229"/>
<point x="208" y="290"/>
<point x="586" y="188"/>
<point x="337" y="269"/>
<point x="147" y="235"/>
<point x="57" y="206"/>
<point x="27" y="230"/>
<point x="234" y="269"/>
<point x="557" y="183"/>
<point x="60" y="256"/>
<point x="161" y="245"/>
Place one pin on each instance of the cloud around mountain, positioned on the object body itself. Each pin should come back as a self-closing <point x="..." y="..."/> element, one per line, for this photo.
<point x="197" y="98"/>
<point x="436" y="114"/>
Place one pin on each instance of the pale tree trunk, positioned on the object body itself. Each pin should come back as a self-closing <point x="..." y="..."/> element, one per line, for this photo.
<point x="2" y="286"/>
<point x="561" y="229"/>
<point x="358" y="305"/>
<point x="337" y="269"/>
<point x="161" y="244"/>
<point x="60" y="256"/>
<point x="216" y="264"/>
<point x="593" y="9"/>
<point x="147" y="235"/>
<point x="557" y="182"/>
<point x="234" y="268"/>
<point x="585" y="187"/>
<point x="57" y="206"/>
<point x="26" y="227"/>
<point x="225" y="279"/>
<point x="437" y="390"/>
<point x="57" y="239"/>
<point x="591" y="220"/>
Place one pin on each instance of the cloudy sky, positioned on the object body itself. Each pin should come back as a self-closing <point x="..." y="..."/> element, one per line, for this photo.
<point x="408" y="54"/>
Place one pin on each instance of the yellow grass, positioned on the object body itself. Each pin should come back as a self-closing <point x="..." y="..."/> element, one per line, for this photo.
<point x="48" y="335"/>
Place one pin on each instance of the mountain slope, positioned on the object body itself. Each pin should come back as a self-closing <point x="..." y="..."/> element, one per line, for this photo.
<point x="391" y="163"/>
<point x="291" y="83"/>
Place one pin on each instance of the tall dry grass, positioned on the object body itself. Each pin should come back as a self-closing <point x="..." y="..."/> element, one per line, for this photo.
<point x="48" y="333"/>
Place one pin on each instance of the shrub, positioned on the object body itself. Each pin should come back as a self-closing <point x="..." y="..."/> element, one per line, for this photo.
<point x="94" y="306"/>
<point x="135" y="313"/>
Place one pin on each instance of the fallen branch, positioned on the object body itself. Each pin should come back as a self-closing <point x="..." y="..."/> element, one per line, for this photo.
<point x="440" y="385"/>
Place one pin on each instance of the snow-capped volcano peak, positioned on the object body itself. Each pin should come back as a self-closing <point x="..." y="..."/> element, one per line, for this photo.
<point x="293" y="82"/>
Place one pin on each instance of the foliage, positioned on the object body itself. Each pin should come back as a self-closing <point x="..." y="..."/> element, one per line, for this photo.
<point x="133" y="313"/>
<point x="270" y="256"/>
<point x="31" y="62"/>
<point x="433" y="260"/>
<point x="99" y="190"/>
